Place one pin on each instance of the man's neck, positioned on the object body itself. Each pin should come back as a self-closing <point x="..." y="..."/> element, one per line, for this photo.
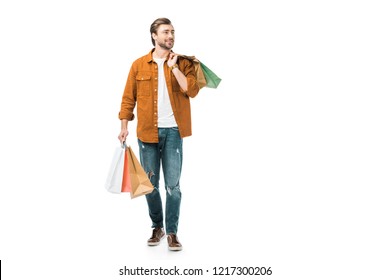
<point x="160" y="53"/>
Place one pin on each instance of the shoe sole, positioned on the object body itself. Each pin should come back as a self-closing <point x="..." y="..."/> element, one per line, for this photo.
<point x="156" y="243"/>
<point x="175" y="248"/>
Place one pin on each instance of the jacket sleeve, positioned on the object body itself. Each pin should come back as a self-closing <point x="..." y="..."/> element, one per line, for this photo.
<point x="188" y="70"/>
<point x="129" y="97"/>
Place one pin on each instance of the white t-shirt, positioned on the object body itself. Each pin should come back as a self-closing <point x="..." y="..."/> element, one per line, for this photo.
<point x="164" y="109"/>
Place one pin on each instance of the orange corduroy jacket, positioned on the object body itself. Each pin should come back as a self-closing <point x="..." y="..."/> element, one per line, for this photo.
<point x="142" y="88"/>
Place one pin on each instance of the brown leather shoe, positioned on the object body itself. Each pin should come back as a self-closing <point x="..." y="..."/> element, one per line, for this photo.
<point x="157" y="235"/>
<point x="173" y="243"/>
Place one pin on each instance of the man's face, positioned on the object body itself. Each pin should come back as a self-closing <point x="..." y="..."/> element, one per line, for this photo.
<point x="165" y="36"/>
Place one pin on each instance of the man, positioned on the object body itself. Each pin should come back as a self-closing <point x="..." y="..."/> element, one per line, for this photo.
<point x="161" y="85"/>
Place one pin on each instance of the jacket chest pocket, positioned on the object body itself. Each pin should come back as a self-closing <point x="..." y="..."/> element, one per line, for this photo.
<point x="143" y="85"/>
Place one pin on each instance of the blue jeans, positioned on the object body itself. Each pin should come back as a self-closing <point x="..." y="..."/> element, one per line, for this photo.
<point x="168" y="152"/>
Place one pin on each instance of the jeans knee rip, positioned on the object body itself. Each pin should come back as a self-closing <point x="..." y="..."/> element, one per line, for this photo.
<point x="170" y="189"/>
<point x="150" y="174"/>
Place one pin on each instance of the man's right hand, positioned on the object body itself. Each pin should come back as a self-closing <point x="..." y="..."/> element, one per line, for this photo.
<point x="124" y="132"/>
<point x="123" y="135"/>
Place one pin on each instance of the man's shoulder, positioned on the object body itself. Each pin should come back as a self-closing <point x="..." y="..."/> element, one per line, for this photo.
<point x="185" y="59"/>
<point x="142" y="59"/>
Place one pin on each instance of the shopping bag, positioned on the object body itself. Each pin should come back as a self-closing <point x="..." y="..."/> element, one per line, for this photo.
<point x="140" y="183"/>
<point x="204" y="76"/>
<point x="211" y="78"/>
<point x="115" y="173"/>
<point x="198" y="70"/>
<point x="126" y="181"/>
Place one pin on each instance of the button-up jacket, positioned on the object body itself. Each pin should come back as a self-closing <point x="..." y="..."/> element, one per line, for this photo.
<point x="142" y="89"/>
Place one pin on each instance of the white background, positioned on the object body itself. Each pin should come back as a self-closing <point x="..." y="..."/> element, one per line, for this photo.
<point x="287" y="167"/>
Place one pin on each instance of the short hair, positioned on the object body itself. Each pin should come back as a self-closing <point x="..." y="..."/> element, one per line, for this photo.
<point x="155" y="25"/>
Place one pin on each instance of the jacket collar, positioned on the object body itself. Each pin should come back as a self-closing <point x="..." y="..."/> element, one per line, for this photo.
<point x="150" y="55"/>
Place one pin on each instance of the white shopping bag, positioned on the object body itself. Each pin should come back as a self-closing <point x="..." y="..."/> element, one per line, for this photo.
<point x="115" y="173"/>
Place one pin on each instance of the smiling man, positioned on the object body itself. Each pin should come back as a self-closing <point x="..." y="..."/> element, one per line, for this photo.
<point x="161" y="84"/>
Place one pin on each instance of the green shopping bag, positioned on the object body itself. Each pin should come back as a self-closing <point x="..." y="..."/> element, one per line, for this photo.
<point x="204" y="76"/>
<point x="212" y="80"/>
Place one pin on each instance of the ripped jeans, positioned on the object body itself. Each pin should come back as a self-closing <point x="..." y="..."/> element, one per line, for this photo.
<point x="169" y="152"/>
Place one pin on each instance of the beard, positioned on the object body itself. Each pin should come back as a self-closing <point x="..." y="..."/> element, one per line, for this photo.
<point x="166" y="45"/>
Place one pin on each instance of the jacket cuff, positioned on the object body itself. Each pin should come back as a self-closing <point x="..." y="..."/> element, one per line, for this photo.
<point x="129" y="116"/>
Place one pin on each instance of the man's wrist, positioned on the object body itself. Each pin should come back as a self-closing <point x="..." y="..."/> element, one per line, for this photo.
<point x="173" y="67"/>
